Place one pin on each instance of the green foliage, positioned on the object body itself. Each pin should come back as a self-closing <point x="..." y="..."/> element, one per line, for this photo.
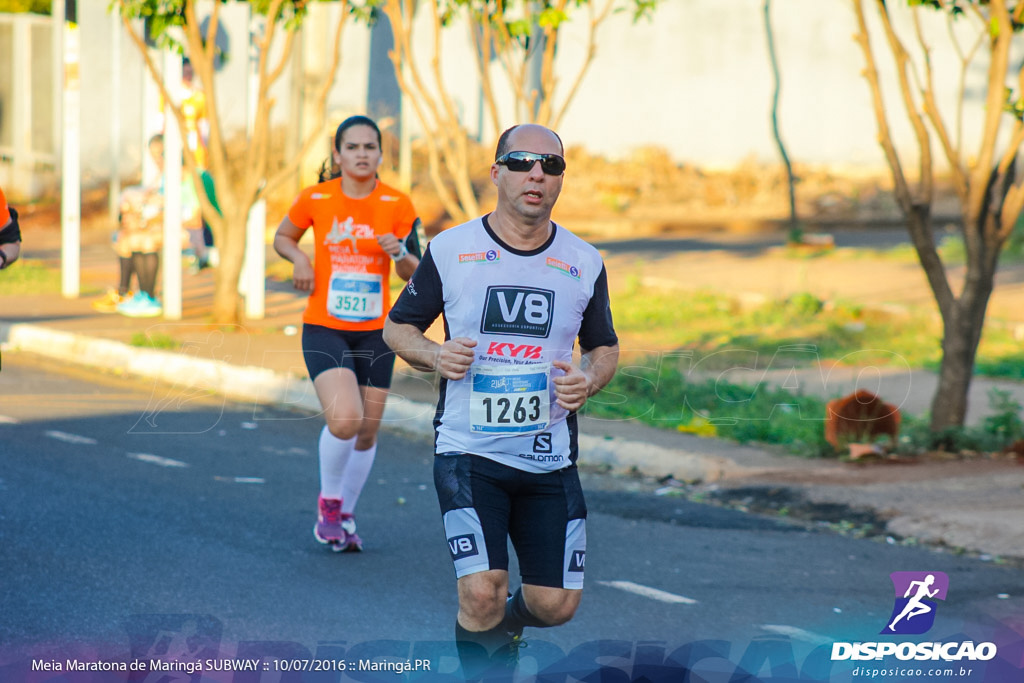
<point x="154" y="341"/>
<point x="1014" y="106"/>
<point x="805" y="304"/>
<point x="519" y="18"/>
<point x="657" y="392"/>
<point x="163" y="15"/>
<point x="1005" y="423"/>
<point x="1001" y="428"/>
<point x="20" y="6"/>
<point x="28" y="276"/>
<point x="953" y="8"/>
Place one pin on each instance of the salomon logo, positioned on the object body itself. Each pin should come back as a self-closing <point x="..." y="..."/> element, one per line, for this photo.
<point x="524" y="311"/>
<point x="542" y="443"/>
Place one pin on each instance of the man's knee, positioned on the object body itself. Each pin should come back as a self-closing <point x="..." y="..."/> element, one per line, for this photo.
<point x="482" y="599"/>
<point x="553" y="606"/>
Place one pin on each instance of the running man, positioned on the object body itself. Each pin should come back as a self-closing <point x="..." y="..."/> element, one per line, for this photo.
<point x="516" y="292"/>
<point x="360" y="226"/>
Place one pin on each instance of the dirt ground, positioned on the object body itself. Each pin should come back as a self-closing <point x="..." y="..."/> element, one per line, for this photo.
<point x="646" y="193"/>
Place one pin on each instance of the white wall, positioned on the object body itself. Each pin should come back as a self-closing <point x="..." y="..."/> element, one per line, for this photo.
<point x="694" y="80"/>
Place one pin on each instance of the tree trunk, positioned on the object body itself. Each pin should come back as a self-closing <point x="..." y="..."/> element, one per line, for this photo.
<point x="226" y="302"/>
<point x="949" y="405"/>
<point x="794" y="229"/>
<point x="963" y="323"/>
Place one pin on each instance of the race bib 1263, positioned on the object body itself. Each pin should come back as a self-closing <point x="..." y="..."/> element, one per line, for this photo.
<point x="510" y="399"/>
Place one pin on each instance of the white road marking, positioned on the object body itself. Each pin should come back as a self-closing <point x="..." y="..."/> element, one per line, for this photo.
<point x="7" y="420"/>
<point x="648" y="592"/>
<point x="243" y="480"/>
<point x="70" y="438"/>
<point x="798" y="634"/>
<point x="157" y="460"/>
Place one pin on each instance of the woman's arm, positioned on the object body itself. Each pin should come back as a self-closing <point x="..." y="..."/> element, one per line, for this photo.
<point x="286" y="244"/>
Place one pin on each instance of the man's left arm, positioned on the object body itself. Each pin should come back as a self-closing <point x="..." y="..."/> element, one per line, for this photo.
<point x="597" y="367"/>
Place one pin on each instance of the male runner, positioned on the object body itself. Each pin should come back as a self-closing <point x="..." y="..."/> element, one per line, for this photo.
<point x="516" y="291"/>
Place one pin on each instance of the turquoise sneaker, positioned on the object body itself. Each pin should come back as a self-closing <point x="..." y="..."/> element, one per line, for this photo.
<point x="140" y="306"/>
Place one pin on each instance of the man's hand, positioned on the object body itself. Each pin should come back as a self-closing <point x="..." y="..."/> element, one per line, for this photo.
<point x="454" y="357"/>
<point x="573" y="388"/>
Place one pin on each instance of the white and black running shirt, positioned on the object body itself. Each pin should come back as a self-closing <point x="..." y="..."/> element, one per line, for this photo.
<point x="524" y="309"/>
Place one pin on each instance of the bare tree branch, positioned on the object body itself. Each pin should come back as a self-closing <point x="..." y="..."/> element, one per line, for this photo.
<point x="595" y="22"/>
<point x="931" y="109"/>
<point x="923" y="242"/>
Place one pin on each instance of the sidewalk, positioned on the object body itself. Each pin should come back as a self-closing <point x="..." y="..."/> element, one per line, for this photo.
<point x="977" y="505"/>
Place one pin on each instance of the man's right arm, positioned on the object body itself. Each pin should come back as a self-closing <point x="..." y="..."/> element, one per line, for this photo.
<point x="451" y="359"/>
<point x="411" y="345"/>
<point x="417" y="307"/>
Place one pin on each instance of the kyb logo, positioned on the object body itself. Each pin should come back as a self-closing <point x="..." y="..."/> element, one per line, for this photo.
<point x="914" y="609"/>
<point x="514" y="350"/>
<point x="524" y="311"/>
<point x="462" y="546"/>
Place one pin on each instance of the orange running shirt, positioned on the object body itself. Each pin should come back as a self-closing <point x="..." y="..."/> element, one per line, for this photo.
<point x="350" y="286"/>
<point x="5" y="215"/>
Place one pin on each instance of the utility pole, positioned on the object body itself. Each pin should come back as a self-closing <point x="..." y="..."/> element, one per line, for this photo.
<point x="115" y="116"/>
<point x="253" y="284"/>
<point x="172" y="172"/>
<point x="65" y="17"/>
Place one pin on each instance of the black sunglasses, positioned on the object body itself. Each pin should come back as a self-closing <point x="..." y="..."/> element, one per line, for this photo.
<point x="520" y="162"/>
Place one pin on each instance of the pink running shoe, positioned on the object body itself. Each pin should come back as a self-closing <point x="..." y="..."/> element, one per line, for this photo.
<point x="352" y="544"/>
<point x="328" y="527"/>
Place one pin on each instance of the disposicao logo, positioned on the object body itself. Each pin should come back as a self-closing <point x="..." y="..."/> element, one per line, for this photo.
<point x="913" y="613"/>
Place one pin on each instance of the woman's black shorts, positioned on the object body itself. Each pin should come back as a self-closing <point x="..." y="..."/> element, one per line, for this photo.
<point x="364" y="353"/>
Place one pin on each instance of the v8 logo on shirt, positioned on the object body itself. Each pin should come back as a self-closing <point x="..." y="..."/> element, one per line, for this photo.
<point x="524" y="311"/>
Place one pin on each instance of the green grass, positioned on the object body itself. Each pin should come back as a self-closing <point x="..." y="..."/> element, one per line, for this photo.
<point x="154" y="341"/>
<point x="669" y="338"/>
<point x="659" y="395"/>
<point x="28" y="276"/>
<point x="721" y="332"/>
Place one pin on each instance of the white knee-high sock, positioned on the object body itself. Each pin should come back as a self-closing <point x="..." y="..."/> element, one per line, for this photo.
<point x="334" y="457"/>
<point x="356" y="474"/>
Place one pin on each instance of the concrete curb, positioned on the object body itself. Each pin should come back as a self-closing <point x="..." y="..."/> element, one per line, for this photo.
<point x="266" y="387"/>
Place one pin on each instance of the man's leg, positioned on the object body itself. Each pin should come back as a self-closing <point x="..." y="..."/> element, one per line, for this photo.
<point x="541" y="606"/>
<point x="480" y="626"/>
<point x="475" y="508"/>
<point x="549" y="532"/>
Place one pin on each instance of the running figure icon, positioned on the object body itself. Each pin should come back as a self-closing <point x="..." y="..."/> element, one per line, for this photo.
<point x="915" y="606"/>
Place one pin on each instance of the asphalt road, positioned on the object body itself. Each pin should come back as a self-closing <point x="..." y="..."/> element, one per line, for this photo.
<point x="138" y="522"/>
